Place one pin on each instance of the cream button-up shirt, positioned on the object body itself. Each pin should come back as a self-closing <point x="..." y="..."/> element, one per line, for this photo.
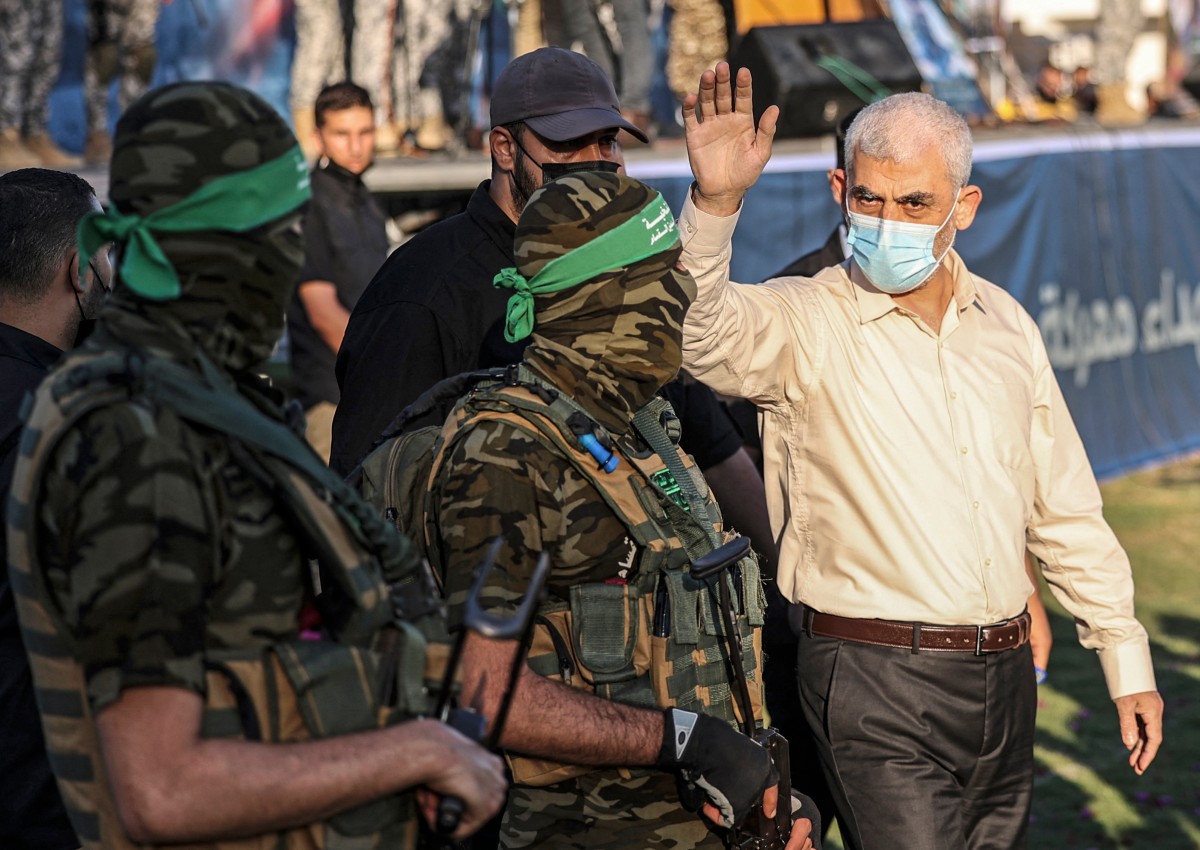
<point x="907" y="471"/>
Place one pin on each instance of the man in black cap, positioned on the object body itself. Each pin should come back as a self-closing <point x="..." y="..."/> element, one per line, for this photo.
<point x="431" y="310"/>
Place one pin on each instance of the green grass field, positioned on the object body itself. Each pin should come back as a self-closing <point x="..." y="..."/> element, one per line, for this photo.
<point x="1085" y="794"/>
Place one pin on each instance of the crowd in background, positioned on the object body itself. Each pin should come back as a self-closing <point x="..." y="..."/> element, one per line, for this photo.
<point x="428" y="65"/>
<point x="420" y="61"/>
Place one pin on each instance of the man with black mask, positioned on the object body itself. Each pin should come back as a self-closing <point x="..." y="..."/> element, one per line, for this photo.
<point x="431" y="310"/>
<point x="49" y="295"/>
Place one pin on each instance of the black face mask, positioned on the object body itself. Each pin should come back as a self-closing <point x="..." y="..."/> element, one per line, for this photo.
<point x="87" y="323"/>
<point x="554" y="170"/>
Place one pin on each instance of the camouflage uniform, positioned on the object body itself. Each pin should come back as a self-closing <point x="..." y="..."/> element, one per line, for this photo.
<point x="30" y="48"/>
<point x="375" y="63"/>
<point x="428" y="50"/>
<point x="151" y="545"/>
<point x="1119" y="24"/>
<point x="319" y="59"/>
<point x="121" y="47"/>
<point x="609" y="343"/>
<point x="697" y="41"/>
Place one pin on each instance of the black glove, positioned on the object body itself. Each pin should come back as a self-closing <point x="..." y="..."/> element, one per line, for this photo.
<point x="715" y="763"/>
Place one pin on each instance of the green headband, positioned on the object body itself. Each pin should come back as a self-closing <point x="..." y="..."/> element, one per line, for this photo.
<point x="236" y="203"/>
<point x="650" y="232"/>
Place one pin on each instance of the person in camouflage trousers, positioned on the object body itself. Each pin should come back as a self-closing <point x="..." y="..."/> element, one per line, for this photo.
<point x="120" y="47"/>
<point x="158" y="560"/>
<point x="697" y="41"/>
<point x="31" y="34"/>
<point x="1117" y="28"/>
<point x="598" y="761"/>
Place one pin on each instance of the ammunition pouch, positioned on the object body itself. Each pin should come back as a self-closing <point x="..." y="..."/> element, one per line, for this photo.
<point x="607" y="641"/>
<point x="304" y="690"/>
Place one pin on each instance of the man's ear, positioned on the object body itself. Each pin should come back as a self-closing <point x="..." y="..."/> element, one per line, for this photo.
<point x="72" y="272"/>
<point x="837" y="186"/>
<point x="968" y="202"/>
<point x="502" y="148"/>
<point x="837" y="183"/>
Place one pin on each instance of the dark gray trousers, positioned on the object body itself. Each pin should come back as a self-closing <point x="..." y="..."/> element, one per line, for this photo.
<point x="928" y="751"/>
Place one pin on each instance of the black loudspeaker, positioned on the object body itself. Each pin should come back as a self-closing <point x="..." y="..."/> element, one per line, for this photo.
<point x="818" y="73"/>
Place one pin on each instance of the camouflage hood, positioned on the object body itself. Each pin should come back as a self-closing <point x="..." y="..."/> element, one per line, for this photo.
<point x="233" y="287"/>
<point x="615" y="339"/>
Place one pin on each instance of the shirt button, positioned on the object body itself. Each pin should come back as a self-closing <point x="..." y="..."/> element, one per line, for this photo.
<point x="963" y="450"/>
<point x="988" y="562"/>
<point x="975" y="504"/>
<point x="953" y="395"/>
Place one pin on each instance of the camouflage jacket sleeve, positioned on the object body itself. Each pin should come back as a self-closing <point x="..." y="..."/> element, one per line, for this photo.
<point x="125" y="545"/>
<point x="499" y="481"/>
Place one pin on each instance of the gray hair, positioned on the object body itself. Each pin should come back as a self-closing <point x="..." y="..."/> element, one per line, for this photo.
<point x="902" y="126"/>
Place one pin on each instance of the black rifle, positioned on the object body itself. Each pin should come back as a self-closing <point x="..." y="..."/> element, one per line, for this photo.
<point x="516" y="626"/>
<point x="757" y="832"/>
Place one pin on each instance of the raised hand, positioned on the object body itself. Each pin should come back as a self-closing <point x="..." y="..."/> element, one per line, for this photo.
<point x="726" y="150"/>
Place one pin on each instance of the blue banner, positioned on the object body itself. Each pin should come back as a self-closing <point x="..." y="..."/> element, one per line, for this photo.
<point x="1094" y="232"/>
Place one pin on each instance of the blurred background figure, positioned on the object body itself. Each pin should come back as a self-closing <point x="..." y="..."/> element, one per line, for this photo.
<point x="616" y="36"/>
<point x="120" y="47"/>
<point x="321" y="54"/>
<point x="31" y="34"/>
<point x="698" y="40"/>
<point x="1083" y="90"/>
<point x="1052" y="101"/>
<point x="429" y="65"/>
<point x="345" y="241"/>
<point x="1120" y="22"/>
<point x="1167" y="99"/>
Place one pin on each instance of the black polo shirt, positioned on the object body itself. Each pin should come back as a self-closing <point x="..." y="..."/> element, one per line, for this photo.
<point x="32" y="816"/>
<point x="432" y="312"/>
<point x="345" y="242"/>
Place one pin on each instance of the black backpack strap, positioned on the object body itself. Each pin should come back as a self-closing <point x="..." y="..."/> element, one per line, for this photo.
<point x="447" y="389"/>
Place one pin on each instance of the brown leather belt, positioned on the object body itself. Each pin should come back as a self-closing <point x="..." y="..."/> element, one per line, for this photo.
<point x="980" y="640"/>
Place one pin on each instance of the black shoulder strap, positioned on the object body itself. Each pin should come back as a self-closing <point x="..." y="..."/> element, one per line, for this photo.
<point x="447" y="389"/>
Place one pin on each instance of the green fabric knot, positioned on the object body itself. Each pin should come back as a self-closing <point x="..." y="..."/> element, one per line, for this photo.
<point x="235" y="203"/>
<point x="650" y="231"/>
<point x="518" y="317"/>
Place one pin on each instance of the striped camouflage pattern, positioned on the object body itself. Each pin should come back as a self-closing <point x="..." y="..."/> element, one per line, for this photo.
<point x="143" y="545"/>
<point x="509" y="471"/>
<point x="171" y="142"/>
<point x="31" y="37"/>
<point x="617" y="339"/>
<point x="132" y="486"/>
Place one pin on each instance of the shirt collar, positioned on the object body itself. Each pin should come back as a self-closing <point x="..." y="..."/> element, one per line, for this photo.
<point x="873" y="304"/>
<point x="492" y="220"/>
<point x="328" y="166"/>
<point x="22" y="345"/>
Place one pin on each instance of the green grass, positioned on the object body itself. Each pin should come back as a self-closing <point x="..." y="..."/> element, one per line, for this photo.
<point x="1085" y="794"/>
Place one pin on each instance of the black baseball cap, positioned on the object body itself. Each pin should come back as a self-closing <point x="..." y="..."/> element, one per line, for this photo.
<point x="559" y="94"/>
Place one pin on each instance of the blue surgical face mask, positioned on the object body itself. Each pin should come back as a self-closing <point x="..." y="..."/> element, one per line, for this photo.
<point x="896" y="256"/>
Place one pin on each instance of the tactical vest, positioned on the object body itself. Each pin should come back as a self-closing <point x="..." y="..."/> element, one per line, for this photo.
<point x="656" y="639"/>
<point x="374" y="674"/>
